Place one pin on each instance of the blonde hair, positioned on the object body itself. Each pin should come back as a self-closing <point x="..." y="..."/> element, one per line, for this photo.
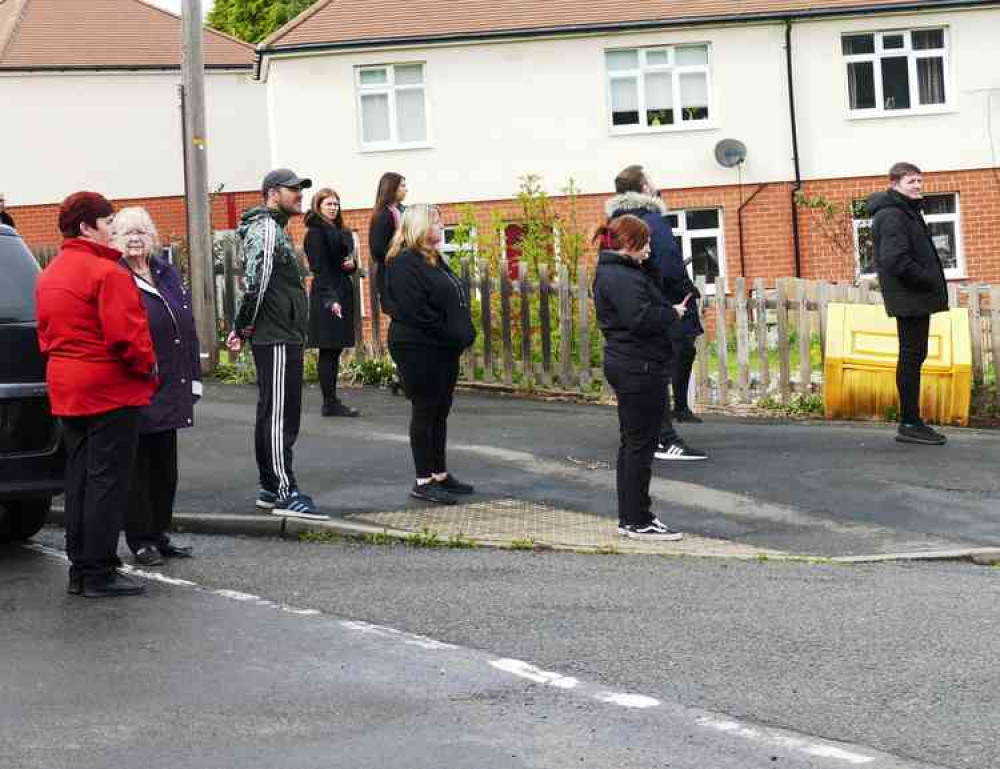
<point x="138" y="219"/>
<point x="413" y="231"/>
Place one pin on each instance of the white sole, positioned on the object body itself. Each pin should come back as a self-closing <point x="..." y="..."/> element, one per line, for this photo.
<point x="669" y="458"/>
<point x="265" y="505"/>
<point x="674" y="537"/>
<point x="304" y="516"/>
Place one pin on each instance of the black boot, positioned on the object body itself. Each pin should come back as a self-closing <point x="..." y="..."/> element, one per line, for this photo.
<point x="115" y="584"/>
<point x="336" y="408"/>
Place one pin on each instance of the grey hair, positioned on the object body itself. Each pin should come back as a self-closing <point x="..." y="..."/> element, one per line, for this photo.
<point x="134" y="218"/>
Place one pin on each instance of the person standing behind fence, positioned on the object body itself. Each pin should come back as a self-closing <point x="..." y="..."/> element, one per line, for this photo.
<point x="636" y="321"/>
<point x="100" y="370"/>
<point x="638" y="197"/>
<point x="329" y="248"/>
<point x="273" y="316"/>
<point x="431" y="326"/>
<point x="178" y="360"/>
<point x="913" y="285"/>
<point x="386" y="218"/>
<point x="5" y="217"/>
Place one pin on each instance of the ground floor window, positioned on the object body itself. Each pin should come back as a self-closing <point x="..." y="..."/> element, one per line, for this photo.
<point x="699" y="236"/>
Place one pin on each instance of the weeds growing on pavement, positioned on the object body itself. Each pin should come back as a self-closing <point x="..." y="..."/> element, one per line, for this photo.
<point x="322" y="537"/>
<point x="379" y="538"/>
<point x="799" y="406"/>
<point x="424" y="538"/>
<point x="461" y="542"/>
<point x="521" y="544"/>
<point x="607" y="550"/>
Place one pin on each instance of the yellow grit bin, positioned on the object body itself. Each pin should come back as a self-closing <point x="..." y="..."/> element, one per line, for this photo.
<point x="860" y="365"/>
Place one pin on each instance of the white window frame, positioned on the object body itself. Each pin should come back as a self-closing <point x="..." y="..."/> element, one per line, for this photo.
<point x="958" y="272"/>
<point x="448" y="249"/>
<point x="686" y="235"/>
<point x="390" y="89"/>
<point x="915" y="108"/>
<point x="639" y="75"/>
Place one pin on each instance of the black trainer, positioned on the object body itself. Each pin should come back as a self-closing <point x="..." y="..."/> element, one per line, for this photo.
<point x="687" y="415"/>
<point x="653" y="532"/>
<point x="339" y="409"/>
<point x="453" y="485"/>
<point x="148" y="556"/>
<point x="679" y="451"/>
<point x="433" y="492"/>
<point x="919" y="433"/>
<point x="116" y="584"/>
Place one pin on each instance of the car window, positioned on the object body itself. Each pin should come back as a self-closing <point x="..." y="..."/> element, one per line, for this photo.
<point x="18" y="272"/>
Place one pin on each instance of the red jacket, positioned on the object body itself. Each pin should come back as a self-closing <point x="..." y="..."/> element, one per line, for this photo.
<point x="93" y="327"/>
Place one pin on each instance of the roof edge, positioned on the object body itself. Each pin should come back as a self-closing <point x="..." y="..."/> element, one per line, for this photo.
<point x="14" y="69"/>
<point x="570" y="29"/>
<point x="7" y="34"/>
<point x="204" y="26"/>
<point x="292" y="23"/>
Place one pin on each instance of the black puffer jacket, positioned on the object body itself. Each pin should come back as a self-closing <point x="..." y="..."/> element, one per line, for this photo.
<point x="909" y="269"/>
<point x="632" y="312"/>
<point x="428" y="304"/>
<point x="327" y="247"/>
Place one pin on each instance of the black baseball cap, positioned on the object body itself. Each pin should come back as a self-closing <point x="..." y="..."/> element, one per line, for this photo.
<point x="284" y="177"/>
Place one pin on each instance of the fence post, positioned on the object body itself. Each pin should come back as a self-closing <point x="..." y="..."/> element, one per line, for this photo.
<point x="805" y="340"/>
<point x="953" y="297"/>
<point x="995" y="329"/>
<point x="486" y="309"/>
<point x="763" y="358"/>
<point x="742" y="339"/>
<point x="722" y="342"/>
<point x="784" y="350"/>
<point x="469" y="356"/>
<point x="565" y="329"/>
<point x="505" y="324"/>
<point x="822" y="300"/>
<point x="229" y="282"/>
<point x="701" y="347"/>
<point x="583" y="302"/>
<point x="358" y="320"/>
<point x="373" y="270"/>
<point x="976" y="332"/>
<point x="545" y="322"/>
<point x="524" y="286"/>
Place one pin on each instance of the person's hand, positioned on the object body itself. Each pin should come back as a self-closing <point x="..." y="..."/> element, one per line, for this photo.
<point x="234" y="342"/>
<point x="337" y="310"/>
<point x="347" y="265"/>
<point x="681" y="309"/>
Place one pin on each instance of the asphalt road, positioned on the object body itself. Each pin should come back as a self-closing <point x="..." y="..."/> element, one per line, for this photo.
<point x="894" y="663"/>
<point x="814" y="488"/>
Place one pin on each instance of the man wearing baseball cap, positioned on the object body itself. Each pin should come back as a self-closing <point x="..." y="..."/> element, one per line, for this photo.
<point x="273" y="316"/>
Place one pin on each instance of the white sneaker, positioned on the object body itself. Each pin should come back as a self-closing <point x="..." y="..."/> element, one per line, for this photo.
<point x="679" y="452"/>
<point x="653" y="533"/>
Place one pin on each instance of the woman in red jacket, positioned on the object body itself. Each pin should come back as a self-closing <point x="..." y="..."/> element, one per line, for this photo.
<point x="101" y="369"/>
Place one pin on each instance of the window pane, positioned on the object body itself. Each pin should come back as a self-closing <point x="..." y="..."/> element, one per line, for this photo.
<point x="858" y="44"/>
<point x="374" y="77"/>
<point x="705" y="258"/>
<point x="866" y="247"/>
<point x="892" y="42"/>
<point x="861" y="84"/>
<point x="703" y="220"/>
<point x="375" y="118"/>
<point x="658" y="57"/>
<point x="694" y="96"/>
<point x="928" y="39"/>
<point x="691" y="54"/>
<point x="930" y="78"/>
<point x="411" y="116"/>
<point x="943" y="235"/>
<point x="939" y="204"/>
<point x="896" y="83"/>
<point x="673" y="219"/>
<point x="624" y="102"/>
<point x="659" y="99"/>
<point x="619" y="60"/>
<point x="409" y="74"/>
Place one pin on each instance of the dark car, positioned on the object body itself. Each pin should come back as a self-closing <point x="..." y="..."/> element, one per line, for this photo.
<point x="31" y="456"/>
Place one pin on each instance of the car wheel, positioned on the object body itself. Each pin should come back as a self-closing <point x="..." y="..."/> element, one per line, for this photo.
<point x="23" y="518"/>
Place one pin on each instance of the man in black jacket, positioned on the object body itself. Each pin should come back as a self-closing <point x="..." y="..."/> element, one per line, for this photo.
<point x="913" y="286"/>
<point x="5" y="217"/>
<point x="637" y="196"/>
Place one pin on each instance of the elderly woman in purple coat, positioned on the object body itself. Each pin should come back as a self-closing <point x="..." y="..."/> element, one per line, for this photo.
<point x="171" y="325"/>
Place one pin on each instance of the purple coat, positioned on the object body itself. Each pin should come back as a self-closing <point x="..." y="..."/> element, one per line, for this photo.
<point x="178" y="354"/>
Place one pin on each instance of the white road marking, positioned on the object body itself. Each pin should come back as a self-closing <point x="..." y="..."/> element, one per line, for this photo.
<point x="628" y="700"/>
<point x="410" y="639"/>
<point x="536" y="674"/>
<point x="784" y="739"/>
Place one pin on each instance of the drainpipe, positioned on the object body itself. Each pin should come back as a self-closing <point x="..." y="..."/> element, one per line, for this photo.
<point x="795" y="150"/>
<point x="739" y="217"/>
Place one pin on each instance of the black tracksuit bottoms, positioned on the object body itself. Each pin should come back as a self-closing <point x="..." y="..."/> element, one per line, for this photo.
<point x="429" y="376"/>
<point x="641" y="397"/>
<point x="913" y="334"/>
<point x="154" y="486"/>
<point x="100" y="454"/>
<point x="279" y="412"/>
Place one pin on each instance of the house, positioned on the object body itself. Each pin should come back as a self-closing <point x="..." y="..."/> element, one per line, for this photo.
<point x="465" y="97"/>
<point x="91" y="96"/>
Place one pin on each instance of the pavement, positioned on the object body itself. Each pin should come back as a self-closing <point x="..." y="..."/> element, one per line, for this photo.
<point x="803" y="488"/>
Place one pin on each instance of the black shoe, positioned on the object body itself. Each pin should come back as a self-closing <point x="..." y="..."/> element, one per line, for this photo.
<point x="75" y="586"/>
<point x="919" y="433"/>
<point x="454" y="486"/>
<point x="170" y="550"/>
<point x="653" y="532"/>
<point x="396" y="387"/>
<point x="433" y="492"/>
<point x="687" y="415"/>
<point x="108" y="587"/>
<point x="147" y="556"/>
<point x="679" y="451"/>
<point x="338" y="409"/>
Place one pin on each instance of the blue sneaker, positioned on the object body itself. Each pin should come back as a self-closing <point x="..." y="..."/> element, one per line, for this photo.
<point x="298" y="505"/>
<point x="266" y="499"/>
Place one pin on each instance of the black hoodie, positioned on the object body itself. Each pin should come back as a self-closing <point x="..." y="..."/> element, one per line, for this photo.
<point x="909" y="269"/>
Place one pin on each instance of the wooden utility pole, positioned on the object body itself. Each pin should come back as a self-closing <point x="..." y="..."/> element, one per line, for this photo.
<point x="199" y="223"/>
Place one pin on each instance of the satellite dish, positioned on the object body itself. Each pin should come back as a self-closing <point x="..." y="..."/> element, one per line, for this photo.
<point x="730" y="153"/>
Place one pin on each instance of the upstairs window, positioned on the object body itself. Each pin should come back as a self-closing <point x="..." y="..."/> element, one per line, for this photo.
<point x="392" y="105"/>
<point x="896" y="72"/>
<point x="652" y="89"/>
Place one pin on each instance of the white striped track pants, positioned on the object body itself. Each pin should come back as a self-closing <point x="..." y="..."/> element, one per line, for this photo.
<point x="279" y="408"/>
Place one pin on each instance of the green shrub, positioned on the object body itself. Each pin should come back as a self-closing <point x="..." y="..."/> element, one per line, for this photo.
<point x="373" y="371"/>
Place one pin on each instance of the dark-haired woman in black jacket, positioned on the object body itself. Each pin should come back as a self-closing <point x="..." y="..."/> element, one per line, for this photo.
<point x="386" y="218"/>
<point x="431" y="326"/>
<point x="329" y="248"/>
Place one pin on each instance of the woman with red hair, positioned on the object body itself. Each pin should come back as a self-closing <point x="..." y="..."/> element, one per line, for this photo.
<point x="635" y="318"/>
<point x="100" y="370"/>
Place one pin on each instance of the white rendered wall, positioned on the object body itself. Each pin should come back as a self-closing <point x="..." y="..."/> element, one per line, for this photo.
<point x="503" y="110"/>
<point x="120" y="134"/>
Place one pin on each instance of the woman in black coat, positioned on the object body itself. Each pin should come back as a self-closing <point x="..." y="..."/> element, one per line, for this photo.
<point x="431" y="326"/>
<point x="386" y="217"/>
<point x="329" y="248"/>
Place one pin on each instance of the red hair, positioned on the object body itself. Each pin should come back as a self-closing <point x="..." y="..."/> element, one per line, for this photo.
<point x="625" y="232"/>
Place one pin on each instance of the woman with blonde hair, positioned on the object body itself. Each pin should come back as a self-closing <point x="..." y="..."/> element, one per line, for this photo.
<point x="431" y="326"/>
<point x="171" y="326"/>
